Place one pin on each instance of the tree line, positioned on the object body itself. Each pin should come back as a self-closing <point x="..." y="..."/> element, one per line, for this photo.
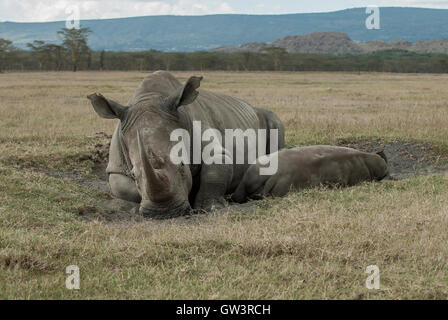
<point x="74" y="54"/>
<point x="71" y="54"/>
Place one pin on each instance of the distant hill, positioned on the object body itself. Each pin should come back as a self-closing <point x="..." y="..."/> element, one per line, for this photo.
<point x="336" y="43"/>
<point x="319" y="42"/>
<point x="193" y="33"/>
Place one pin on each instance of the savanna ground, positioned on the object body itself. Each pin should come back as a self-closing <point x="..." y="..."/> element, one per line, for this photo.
<point x="312" y="244"/>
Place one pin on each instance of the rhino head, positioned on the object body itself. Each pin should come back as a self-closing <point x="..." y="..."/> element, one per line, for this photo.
<point x="144" y="136"/>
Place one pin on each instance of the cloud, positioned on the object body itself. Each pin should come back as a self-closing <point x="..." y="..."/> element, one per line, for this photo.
<point x="440" y="4"/>
<point x="52" y="10"/>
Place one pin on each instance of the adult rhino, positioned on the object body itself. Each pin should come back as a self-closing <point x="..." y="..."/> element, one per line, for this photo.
<point x="140" y="169"/>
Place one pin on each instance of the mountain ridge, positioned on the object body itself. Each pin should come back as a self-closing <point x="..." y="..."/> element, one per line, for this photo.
<point x="202" y="33"/>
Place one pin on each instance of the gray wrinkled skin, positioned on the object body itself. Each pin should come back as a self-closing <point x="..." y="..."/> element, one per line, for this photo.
<point x="307" y="167"/>
<point x="140" y="169"/>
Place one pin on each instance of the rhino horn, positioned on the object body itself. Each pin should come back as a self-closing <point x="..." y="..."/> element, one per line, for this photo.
<point x="156" y="182"/>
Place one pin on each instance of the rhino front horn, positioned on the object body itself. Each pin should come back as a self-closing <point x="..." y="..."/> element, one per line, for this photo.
<point x="156" y="182"/>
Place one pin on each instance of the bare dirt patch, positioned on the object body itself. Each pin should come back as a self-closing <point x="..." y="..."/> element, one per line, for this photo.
<point x="11" y="258"/>
<point x="406" y="159"/>
<point x="98" y="177"/>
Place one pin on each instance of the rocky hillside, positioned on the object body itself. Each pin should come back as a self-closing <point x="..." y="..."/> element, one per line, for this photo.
<point x="432" y="46"/>
<point x="319" y="42"/>
<point x="247" y="47"/>
<point x="383" y="45"/>
<point x="337" y="43"/>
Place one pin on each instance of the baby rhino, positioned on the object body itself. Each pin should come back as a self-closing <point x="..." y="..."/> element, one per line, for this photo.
<point x="306" y="167"/>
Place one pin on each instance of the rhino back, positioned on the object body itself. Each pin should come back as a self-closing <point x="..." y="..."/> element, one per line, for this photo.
<point x="222" y="112"/>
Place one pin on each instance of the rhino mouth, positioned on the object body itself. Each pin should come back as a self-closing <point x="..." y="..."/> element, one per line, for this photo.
<point x="166" y="212"/>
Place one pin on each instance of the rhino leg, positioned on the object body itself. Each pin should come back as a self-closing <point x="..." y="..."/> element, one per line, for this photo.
<point x="277" y="186"/>
<point x="281" y="188"/>
<point x="240" y="194"/>
<point x="124" y="188"/>
<point x="251" y="186"/>
<point x="214" y="183"/>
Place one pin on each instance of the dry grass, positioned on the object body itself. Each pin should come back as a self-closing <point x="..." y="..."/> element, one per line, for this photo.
<point x="314" y="244"/>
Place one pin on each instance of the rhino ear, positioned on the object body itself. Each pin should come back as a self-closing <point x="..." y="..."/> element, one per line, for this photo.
<point x="382" y="155"/>
<point x="106" y="108"/>
<point x="184" y="96"/>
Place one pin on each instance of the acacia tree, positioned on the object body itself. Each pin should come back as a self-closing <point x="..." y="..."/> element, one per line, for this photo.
<point x="277" y="55"/>
<point x="75" y="42"/>
<point x="247" y="57"/>
<point x="6" y="47"/>
<point x="102" y="54"/>
<point x="167" y="60"/>
<point x="47" y="53"/>
<point x="55" y="52"/>
<point x="37" y="46"/>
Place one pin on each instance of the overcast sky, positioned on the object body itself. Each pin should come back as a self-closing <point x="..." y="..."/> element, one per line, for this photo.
<point x="52" y="10"/>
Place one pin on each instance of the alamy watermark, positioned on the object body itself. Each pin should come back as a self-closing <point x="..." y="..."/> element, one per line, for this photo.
<point x="251" y="140"/>
<point x="373" y="20"/>
<point x="373" y="280"/>
<point x="73" y="279"/>
<point x="73" y="17"/>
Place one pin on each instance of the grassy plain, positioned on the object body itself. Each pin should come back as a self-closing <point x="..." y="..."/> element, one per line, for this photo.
<point x="314" y="244"/>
